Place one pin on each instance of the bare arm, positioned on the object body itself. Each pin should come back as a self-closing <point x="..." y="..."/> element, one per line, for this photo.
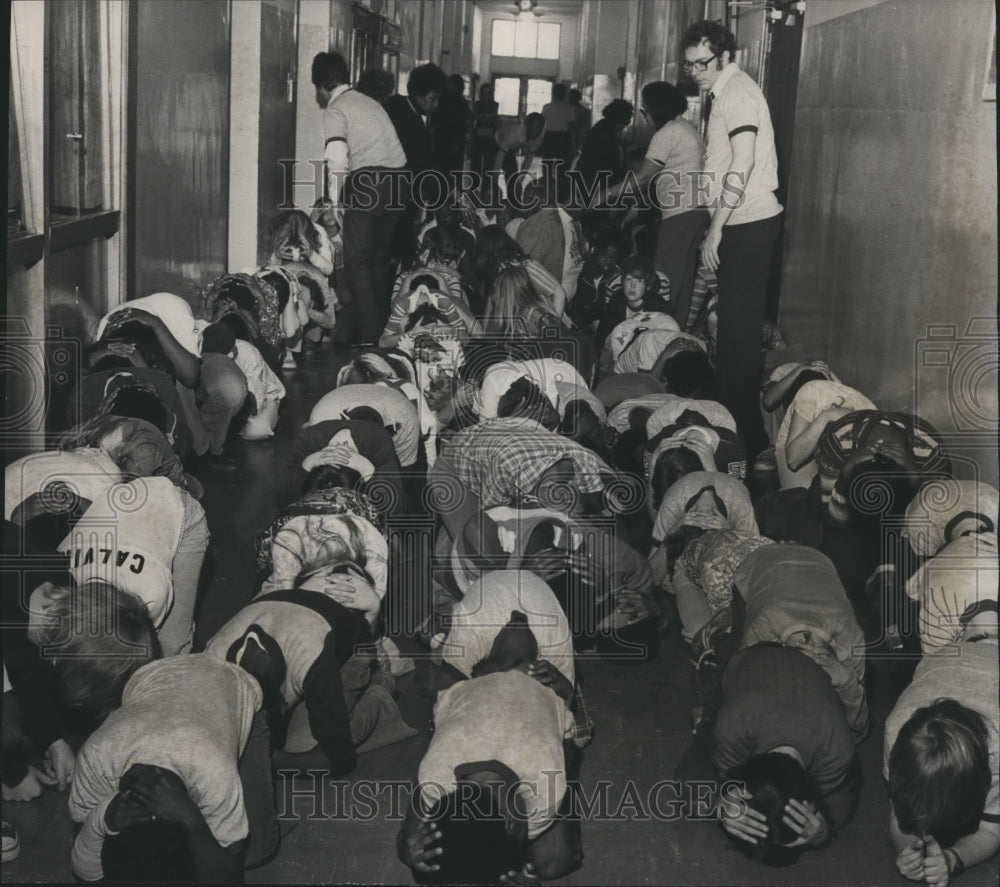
<point x="736" y="177"/>
<point x="804" y="436"/>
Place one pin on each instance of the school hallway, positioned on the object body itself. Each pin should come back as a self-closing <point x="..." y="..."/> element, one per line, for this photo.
<point x="640" y="830"/>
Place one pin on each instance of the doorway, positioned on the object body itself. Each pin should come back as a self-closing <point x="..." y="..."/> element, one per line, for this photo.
<point x="520" y="96"/>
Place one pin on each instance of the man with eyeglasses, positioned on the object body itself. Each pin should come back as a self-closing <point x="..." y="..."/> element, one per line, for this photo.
<point x="741" y="173"/>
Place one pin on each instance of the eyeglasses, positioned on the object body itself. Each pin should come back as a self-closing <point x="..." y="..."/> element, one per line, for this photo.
<point x="700" y="64"/>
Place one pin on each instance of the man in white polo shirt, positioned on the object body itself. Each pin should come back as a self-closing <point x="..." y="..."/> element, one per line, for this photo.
<point x="741" y="171"/>
<point x="362" y="152"/>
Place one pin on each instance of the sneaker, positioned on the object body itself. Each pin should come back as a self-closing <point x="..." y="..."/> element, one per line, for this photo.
<point x="11" y="842"/>
<point x="766" y="461"/>
<point x="707" y="640"/>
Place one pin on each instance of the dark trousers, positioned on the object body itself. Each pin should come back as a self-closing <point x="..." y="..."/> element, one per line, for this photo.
<point x="744" y="267"/>
<point x="374" y="202"/>
<point x="677" y="245"/>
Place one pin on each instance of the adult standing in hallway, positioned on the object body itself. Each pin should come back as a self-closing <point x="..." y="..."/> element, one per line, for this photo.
<point x="450" y="127"/>
<point x="364" y="161"/>
<point x="741" y="171"/>
<point x="411" y="115"/>
<point x="558" y="143"/>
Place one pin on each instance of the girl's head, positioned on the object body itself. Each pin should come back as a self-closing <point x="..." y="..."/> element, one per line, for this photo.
<point x="663" y="102"/>
<point x="328" y="477"/>
<point x="97" y="637"/>
<point x="772" y="780"/>
<point x="515" y="306"/>
<point x="293" y="228"/>
<point x="939" y="772"/>
<point x="494" y="247"/>
<point x="638" y="278"/>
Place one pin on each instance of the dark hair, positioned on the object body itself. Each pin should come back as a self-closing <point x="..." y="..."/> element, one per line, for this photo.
<point x="524" y="398"/>
<point x="444" y="242"/>
<point x="93" y="666"/>
<point x="803" y="378"/>
<point x="365" y="414"/>
<point x="939" y="772"/>
<point x="494" y="247"/>
<point x="477" y="847"/>
<point x="664" y="102"/>
<point x="376" y="84"/>
<point x="457" y="81"/>
<point x="879" y="482"/>
<point x="534" y="119"/>
<point x="217" y="338"/>
<point x="720" y="39"/>
<point x="688" y="373"/>
<point x="428" y="280"/>
<point x="110" y="362"/>
<point x="282" y="288"/>
<point x="329" y="70"/>
<point x="426" y="313"/>
<point x="425" y="79"/>
<point x="341" y="567"/>
<point x="558" y="91"/>
<point x="619" y="112"/>
<point x="670" y="467"/>
<point x="317" y="300"/>
<point x="574" y="95"/>
<point x="638" y="267"/>
<point x="774" y="779"/>
<point x="139" y="402"/>
<point x="154" y="852"/>
<point x="260" y="656"/>
<point x="237" y="325"/>
<point x="326" y="477"/>
<point x="627" y="450"/>
<point x="146" y="344"/>
<point x="608" y="237"/>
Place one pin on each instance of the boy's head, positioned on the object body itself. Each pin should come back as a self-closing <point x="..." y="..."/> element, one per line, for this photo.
<point x="608" y="247"/>
<point x="939" y="772"/>
<point x="638" y="278"/>
<point x="97" y="637"/>
<point x="670" y="467"/>
<point x="483" y="826"/>
<point x="525" y="399"/>
<point x="772" y="780"/>
<point x="534" y="126"/>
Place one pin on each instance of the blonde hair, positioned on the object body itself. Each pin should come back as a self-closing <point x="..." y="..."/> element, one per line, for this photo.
<point x="515" y="307"/>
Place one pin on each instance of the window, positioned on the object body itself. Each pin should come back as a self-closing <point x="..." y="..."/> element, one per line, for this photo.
<point x="76" y="157"/>
<point x="526" y="39"/>
<point x="521" y="95"/>
<point x="15" y="188"/>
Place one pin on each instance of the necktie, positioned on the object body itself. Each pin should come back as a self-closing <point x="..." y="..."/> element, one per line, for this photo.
<point x="706" y="110"/>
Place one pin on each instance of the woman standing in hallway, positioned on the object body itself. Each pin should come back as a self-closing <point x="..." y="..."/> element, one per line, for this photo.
<point x="673" y="161"/>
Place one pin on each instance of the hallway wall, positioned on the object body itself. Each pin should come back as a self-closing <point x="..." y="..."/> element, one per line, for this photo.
<point x="891" y="249"/>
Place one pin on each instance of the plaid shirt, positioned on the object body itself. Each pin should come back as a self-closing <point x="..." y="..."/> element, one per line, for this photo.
<point x="501" y="460"/>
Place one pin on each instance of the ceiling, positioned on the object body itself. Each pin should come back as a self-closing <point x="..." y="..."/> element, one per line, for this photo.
<point x="562" y="7"/>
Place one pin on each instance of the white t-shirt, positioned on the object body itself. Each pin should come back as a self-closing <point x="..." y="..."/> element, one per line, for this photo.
<point x="87" y="471"/>
<point x="505" y="717"/>
<point x="392" y="405"/>
<point x="628" y="329"/>
<point x="557" y="379"/>
<point x="128" y="537"/>
<point x="175" y="313"/>
<point x="716" y="414"/>
<point x="643" y="353"/>
<point x="188" y="714"/>
<point x="262" y="382"/>
<point x="811" y="399"/>
<point x="486" y="608"/>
